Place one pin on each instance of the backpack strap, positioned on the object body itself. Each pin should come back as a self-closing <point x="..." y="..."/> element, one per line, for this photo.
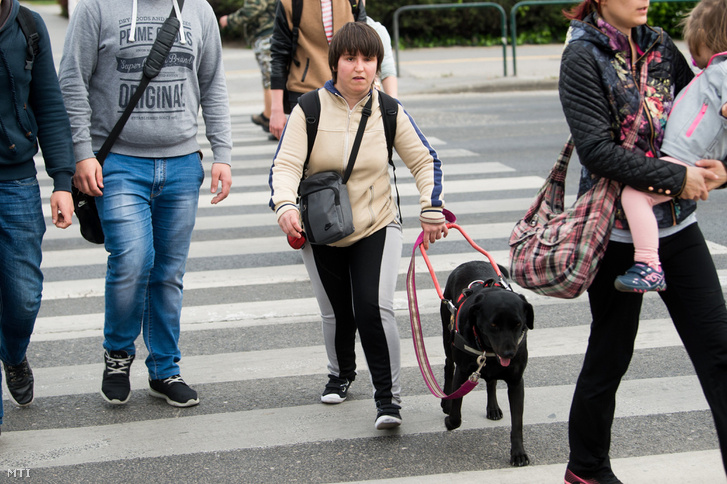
<point x="27" y="25"/>
<point x="355" y="8"/>
<point x="389" y="111"/>
<point x="310" y="103"/>
<point x="297" y="12"/>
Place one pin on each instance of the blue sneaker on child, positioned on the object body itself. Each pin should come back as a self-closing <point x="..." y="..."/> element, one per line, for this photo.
<point x="641" y="278"/>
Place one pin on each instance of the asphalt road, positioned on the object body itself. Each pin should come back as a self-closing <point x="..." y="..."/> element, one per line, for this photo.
<point x="252" y="345"/>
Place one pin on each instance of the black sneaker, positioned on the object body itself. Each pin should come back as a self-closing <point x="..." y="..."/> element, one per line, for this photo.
<point x="262" y="121"/>
<point x="387" y="416"/>
<point x="115" y="387"/>
<point x="20" y="382"/>
<point x="174" y="390"/>
<point x="336" y="390"/>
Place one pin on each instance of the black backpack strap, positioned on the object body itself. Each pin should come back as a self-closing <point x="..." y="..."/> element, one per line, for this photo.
<point x="297" y="12"/>
<point x="389" y="111"/>
<point x="310" y="103"/>
<point x="27" y="25"/>
<point x="358" y="9"/>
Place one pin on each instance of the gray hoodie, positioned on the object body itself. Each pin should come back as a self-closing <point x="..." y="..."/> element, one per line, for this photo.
<point x="105" y="47"/>
<point x="696" y="128"/>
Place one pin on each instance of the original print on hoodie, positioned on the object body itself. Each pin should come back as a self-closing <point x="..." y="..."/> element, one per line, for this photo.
<point x="102" y="64"/>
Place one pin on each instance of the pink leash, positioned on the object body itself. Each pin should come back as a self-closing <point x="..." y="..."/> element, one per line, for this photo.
<point x="416" y="326"/>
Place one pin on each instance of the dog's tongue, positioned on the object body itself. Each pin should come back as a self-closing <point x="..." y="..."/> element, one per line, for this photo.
<point x="504" y="361"/>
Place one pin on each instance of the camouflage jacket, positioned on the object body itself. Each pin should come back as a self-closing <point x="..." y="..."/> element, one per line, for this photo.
<point x="255" y="18"/>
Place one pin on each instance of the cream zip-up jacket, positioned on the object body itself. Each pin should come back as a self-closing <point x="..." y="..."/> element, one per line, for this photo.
<point x="369" y="186"/>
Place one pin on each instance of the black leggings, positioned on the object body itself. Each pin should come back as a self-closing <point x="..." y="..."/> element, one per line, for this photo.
<point x="696" y="305"/>
<point x="355" y="288"/>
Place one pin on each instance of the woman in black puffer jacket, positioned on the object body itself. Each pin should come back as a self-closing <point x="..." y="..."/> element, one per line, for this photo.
<point x="600" y="85"/>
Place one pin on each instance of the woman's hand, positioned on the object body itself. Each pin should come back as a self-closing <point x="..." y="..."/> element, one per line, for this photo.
<point x="717" y="168"/>
<point x="433" y="232"/>
<point x="290" y="224"/>
<point x="695" y="187"/>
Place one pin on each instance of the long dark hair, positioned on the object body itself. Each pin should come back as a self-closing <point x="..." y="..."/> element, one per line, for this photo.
<point x="582" y="10"/>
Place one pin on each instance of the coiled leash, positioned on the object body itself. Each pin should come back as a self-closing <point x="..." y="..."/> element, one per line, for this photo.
<point x="416" y="327"/>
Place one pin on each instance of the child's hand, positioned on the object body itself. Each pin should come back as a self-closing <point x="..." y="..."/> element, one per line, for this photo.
<point x="719" y="172"/>
<point x="724" y="110"/>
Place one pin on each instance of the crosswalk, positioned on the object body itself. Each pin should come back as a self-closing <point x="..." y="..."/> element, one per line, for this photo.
<point x="252" y="347"/>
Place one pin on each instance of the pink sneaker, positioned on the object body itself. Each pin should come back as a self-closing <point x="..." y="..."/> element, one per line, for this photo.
<point x="641" y="278"/>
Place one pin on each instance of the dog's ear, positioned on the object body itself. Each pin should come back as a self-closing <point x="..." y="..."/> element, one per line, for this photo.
<point x="529" y="312"/>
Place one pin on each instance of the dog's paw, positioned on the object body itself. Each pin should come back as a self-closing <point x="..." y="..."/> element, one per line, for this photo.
<point x="446" y="406"/>
<point x="519" y="458"/>
<point x="451" y="424"/>
<point x="494" y="413"/>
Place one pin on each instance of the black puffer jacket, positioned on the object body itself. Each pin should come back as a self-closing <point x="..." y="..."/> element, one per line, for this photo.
<point x="599" y="92"/>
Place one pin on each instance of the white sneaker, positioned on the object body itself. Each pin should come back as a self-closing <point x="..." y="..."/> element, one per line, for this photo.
<point x="387" y="422"/>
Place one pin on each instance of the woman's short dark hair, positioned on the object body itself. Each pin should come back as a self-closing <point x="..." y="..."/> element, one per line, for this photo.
<point x="352" y="39"/>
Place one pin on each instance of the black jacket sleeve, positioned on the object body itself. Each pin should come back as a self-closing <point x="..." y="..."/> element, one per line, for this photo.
<point x="590" y="118"/>
<point x="281" y="48"/>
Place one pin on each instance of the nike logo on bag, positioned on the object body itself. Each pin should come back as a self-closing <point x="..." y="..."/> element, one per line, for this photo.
<point x="328" y="226"/>
<point x="81" y="203"/>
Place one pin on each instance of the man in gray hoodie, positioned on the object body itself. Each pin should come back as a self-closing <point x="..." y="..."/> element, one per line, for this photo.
<point x="148" y="188"/>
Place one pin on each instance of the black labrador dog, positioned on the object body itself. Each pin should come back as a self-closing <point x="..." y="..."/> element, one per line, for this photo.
<point x="491" y="319"/>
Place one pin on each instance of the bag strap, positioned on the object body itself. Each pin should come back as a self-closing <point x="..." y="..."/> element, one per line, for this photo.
<point x="297" y="12"/>
<point x="30" y="31"/>
<point x="152" y="65"/>
<point x="310" y="103"/>
<point x="561" y="164"/>
<point x="365" y="113"/>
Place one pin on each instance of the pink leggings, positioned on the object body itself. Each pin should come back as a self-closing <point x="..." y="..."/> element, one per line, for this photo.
<point x="642" y="223"/>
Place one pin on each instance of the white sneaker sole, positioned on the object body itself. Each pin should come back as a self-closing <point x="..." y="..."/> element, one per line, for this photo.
<point x="387" y="422"/>
<point x="189" y="403"/>
<point x="332" y="399"/>
<point x="115" y="401"/>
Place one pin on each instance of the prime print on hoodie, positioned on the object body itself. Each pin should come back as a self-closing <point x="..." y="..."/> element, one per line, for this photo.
<point x="103" y="56"/>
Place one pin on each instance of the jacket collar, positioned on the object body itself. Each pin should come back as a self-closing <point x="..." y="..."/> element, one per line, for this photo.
<point x="597" y="31"/>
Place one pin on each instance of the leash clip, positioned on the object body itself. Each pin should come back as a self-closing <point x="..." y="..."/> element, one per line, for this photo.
<point x="450" y="305"/>
<point x="481" y="361"/>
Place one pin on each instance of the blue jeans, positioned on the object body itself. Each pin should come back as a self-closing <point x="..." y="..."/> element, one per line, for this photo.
<point x="147" y="212"/>
<point x="21" y="282"/>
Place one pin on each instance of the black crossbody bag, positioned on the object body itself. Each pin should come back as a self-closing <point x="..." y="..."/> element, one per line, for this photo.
<point x="85" y="205"/>
<point x="324" y="204"/>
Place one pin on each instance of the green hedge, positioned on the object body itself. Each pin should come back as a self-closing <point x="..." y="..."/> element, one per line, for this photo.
<point x="478" y="26"/>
